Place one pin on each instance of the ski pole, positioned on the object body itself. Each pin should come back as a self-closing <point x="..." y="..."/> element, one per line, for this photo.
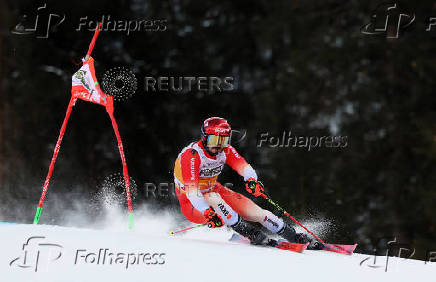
<point x="297" y="222"/>
<point x="293" y="219"/>
<point x="186" y="229"/>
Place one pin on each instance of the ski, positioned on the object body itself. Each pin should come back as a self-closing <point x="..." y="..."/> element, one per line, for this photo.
<point x="299" y="248"/>
<point x="295" y="247"/>
<point x="283" y="245"/>
<point x="341" y="249"/>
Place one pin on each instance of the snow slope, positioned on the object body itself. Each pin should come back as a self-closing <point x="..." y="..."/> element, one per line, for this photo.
<point x="71" y="254"/>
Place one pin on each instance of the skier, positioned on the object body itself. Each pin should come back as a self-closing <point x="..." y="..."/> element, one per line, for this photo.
<point x="204" y="200"/>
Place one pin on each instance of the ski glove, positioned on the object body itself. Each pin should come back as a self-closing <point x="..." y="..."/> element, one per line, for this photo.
<point x="255" y="188"/>
<point x="213" y="219"/>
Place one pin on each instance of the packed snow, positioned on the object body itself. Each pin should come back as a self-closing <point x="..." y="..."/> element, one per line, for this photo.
<point x="111" y="252"/>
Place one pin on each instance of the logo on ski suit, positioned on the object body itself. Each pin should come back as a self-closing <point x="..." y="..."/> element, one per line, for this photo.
<point x="211" y="171"/>
<point x="226" y="213"/>
<point x="273" y="223"/>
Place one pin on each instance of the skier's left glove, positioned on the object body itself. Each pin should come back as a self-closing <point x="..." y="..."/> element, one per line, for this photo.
<point x="255" y="188"/>
<point x="213" y="219"/>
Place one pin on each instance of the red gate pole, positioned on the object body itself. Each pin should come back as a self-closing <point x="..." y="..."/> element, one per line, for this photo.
<point x="53" y="159"/>
<point x="109" y="109"/>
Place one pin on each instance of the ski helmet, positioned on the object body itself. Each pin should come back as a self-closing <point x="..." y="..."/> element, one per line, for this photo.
<point x="215" y="132"/>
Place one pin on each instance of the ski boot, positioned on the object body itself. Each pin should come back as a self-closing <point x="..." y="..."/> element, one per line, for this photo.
<point x="248" y="230"/>
<point x="292" y="236"/>
<point x="315" y="245"/>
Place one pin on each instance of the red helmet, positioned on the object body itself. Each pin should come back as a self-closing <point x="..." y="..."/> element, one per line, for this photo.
<point x="215" y="132"/>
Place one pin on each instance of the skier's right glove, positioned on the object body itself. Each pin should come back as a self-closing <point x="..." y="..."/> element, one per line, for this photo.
<point x="213" y="219"/>
<point x="255" y="188"/>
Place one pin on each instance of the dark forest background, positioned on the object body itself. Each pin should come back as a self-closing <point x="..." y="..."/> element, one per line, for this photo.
<point x="299" y="66"/>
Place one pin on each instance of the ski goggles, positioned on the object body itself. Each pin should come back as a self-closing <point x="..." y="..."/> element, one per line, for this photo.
<point x="217" y="141"/>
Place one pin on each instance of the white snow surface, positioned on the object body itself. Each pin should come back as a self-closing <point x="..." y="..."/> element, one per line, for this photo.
<point x="71" y="254"/>
<point x="104" y="249"/>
